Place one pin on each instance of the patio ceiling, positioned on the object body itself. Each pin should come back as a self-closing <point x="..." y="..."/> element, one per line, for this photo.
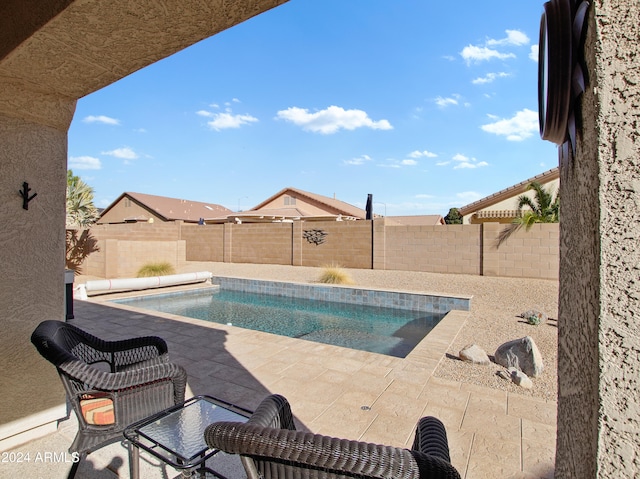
<point x="61" y="50"/>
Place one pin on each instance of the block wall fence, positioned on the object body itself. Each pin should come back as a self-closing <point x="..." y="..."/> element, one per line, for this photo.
<point x="460" y="249"/>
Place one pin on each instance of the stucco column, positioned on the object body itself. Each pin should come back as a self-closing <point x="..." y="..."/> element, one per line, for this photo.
<point x="599" y="332"/>
<point x="33" y="150"/>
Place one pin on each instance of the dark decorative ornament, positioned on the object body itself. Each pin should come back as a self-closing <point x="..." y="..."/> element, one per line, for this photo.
<point x="314" y="236"/>
<point x="561" y="76"/>
<point x="24" y="192"/>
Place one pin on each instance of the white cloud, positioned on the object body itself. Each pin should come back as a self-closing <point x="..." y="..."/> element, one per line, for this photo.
<point x="422" y="154"/>
<point x="514" y="37"/>
<point x="393" y="163"/>
<point x="489" y="78"/>
<point x="125" y="153"/>
<point x="226" y="120"/>
<point x="106" y="120"/>
<point x="331" y="120"/>
<point x="84" y="163"/>
<point x="223" y="121"/>
<point x="476" y="54"/>
<point x="489" y="51"/>
<point x="360" y="160"/>
<point x="464" y="162"/>
<point x="533" y="54"/>
<point x="520" y="127"/>
<point x="445" y="102"/>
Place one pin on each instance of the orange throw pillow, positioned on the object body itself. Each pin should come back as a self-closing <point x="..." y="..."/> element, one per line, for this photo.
<point x="97" y="409"/>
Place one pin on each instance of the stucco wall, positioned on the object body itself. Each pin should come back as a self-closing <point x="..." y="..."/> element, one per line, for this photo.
<point x="32" y="265"/>
<point x="307" y="205"/>
<point x="599" y="334"/>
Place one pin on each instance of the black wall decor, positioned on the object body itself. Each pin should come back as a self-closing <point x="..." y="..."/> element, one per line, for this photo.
<point x="24" y="192"/>
<point x="315" y="237"/>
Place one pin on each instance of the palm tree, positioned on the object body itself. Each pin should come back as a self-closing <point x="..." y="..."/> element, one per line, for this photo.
<point x="80" y="209"/>
<point x="543" y="208"/>
<point x="81" y="213"/>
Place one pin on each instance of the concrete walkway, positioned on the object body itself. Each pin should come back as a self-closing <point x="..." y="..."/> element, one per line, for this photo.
<point x="334" y="391"/>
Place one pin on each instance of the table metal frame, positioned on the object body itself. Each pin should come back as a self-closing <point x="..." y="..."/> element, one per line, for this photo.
<point x="137" y="438"/>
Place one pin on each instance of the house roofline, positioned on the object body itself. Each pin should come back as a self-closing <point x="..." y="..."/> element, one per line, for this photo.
<point x="509" y="192"/>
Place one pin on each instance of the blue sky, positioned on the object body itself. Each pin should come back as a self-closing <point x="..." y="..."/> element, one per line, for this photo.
<point x="426" y="105"/>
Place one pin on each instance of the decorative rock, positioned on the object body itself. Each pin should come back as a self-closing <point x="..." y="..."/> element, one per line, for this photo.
<point x="472" y="353"/>
<point x="522" y="354"/>
<point x="534" y="317"/>
<point x="504" y="375"/>
<point x="520" y="378"/>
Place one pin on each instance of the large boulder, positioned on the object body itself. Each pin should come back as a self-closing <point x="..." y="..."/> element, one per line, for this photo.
<point x="522" y="354"/>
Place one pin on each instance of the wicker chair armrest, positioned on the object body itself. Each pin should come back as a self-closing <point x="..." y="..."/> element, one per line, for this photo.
<point x="273" y="411"/>
<point x="431" y="438"/>
<point x="93" y="378"/>
<point x="314" y="451"/>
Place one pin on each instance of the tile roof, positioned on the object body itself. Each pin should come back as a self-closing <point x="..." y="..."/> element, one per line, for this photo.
<point x="333" y="205"/>
<point x="509" y="192"/>
<point x="171" y="209"/>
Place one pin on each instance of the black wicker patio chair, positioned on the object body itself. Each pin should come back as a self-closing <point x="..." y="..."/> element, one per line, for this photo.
<point x="109" y="384"/>
<point x="270" y="448"/>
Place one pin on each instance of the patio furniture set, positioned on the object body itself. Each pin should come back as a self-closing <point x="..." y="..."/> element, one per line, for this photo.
<point x="129" y="389"/>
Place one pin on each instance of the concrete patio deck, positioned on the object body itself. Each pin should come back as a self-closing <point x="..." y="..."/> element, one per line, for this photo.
<point x="492" y="434"/>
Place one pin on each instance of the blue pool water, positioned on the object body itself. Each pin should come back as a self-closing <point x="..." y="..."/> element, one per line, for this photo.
<point x="393" y="332"/>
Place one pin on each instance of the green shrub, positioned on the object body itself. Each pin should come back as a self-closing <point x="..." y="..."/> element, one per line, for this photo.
<point x="334" y="274"/>
<point x="534" y="319"/>
<point x="155" y="269"/>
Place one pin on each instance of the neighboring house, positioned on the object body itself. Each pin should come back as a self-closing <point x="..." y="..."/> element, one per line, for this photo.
<point x="502" y="207"/>
<point x="291" y="204"/>
<point x="138" y="207"/>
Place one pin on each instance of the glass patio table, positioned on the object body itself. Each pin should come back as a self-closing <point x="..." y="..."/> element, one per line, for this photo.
<point x="176" y="435"/>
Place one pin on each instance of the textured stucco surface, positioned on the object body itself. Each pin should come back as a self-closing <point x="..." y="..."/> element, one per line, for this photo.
<point x="32" y="266"/>
<point x="53" y="52"/>
<point x="599" y="336"/>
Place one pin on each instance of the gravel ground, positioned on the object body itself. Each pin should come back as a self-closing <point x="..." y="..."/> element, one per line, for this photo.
<point x="495" y="307"/>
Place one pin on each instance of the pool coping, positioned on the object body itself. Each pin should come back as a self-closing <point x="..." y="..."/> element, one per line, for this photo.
<point x="377" y="297"/>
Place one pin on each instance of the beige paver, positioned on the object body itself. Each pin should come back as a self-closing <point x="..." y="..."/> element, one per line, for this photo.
<point x="492" y="434"/>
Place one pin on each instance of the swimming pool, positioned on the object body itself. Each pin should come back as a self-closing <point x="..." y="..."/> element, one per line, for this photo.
<point x="304" y="312"/>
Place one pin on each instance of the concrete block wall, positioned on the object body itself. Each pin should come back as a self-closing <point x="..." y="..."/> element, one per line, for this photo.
<point x="451" y="249"/>
<point x="435" y="249"/>
<point x="204" y="242"/>
<point x="260" y="243"/>
<point x="123" y="259"/>
<point x="525" y="254"/>
<point x="344" y="243"/>
<point x="139" y="231"/>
